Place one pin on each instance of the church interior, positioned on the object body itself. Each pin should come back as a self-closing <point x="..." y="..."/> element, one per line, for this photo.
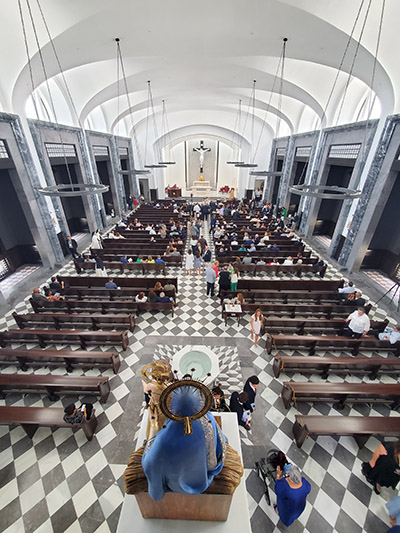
<point x="198" y="242"/>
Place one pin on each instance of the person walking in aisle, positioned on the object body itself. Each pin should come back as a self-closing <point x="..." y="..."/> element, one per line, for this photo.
<point x="234" y="279"/>
<point x="256" y="323"/>
<point x="197" y="263"/>
<point x="211" y="276"/>
<point x="189" y="262"/>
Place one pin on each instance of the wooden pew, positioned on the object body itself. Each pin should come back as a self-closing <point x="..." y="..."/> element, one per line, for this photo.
<point x="359" y="427"/>
<point x="329" y="342"/>
<point x="137" y="284"/>
<point x="284" y="296"/>
<point x="77" y="385"/>
<point x="86" y="306"/>
<point x="302" y="326"/>
<point x="67" y="336"/>
<point x="290" y="285"/>
<point x="292" y="310"/>
<point x="155" y="306"/>
<point x="30" y="418"/>
<point x="55" y="358"/>
<point x="337" y="364"/>
<point x="103" y="293"/>
<point x="341" y="393"/>
<point x="80" y="321"/>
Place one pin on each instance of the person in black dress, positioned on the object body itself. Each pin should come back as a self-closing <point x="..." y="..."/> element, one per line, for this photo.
<point x="383" y="470"/>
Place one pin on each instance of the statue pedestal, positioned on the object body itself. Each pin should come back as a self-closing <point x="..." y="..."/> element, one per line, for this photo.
<point x="238" y="518"/>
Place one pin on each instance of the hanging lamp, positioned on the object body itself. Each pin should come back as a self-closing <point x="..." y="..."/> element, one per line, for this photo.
<point x="326" y="192"/>
<point x="120" y="63"/>
<point x="150" y="111"/>
<point x="166" y="131"/>
<point x="236" y="128"/>
<point x="66" y="189"/>
<point x="252" y="105"/>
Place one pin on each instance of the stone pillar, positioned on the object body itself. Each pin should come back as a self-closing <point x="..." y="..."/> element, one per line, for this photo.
<point x="37" y="208"/>
<point x="375" y="193"/>
<point x="286" y="172"/>
<point x="133" y="177"/>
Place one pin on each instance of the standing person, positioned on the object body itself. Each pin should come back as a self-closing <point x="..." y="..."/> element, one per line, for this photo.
<point x="256" y="322"/>
<point x="291" y="493"/>
<point x="211" y="276"/>
<point x="236" y="405"/>
<point x="100" y="268"/>
<point x="234" y="279"/>
<point x="224" y="280"/>
<point x="250" y="387"/>
<point x="72" y="246"/>
<point x="383" y="469"/>
<point x="207" y="255"/>
<point x="358" y="324"/>
<point x="197" y="263"/>
<point x="96" y="243"/>
<point x="189" y="262"/>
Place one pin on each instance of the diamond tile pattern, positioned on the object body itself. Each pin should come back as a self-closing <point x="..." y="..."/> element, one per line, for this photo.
<point x="58" y="481"/>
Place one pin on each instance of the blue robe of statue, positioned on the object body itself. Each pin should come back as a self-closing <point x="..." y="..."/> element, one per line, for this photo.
<point x="182" y="463"/>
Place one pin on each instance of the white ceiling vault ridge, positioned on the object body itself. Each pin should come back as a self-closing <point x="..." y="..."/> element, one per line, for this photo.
<point x="201" y="59"/>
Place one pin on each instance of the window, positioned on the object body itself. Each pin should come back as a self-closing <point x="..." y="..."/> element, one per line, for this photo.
<point x="280" y="152"/>
<point x="60" y="150"/>
<point x="100" y="150"/>
<point x="344" y="151"/>
<point x="123" y="151"/>
<point x="303" y="151"/>
<point x="3" y="150"/>
<point x="5" y="268"/>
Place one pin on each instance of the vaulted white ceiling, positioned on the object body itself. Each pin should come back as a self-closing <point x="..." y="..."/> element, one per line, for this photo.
<point x="201" y="59"/>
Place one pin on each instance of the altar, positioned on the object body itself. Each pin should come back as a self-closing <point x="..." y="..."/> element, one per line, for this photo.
<point x="201" y="188"/>
<point x="238" y="518"/>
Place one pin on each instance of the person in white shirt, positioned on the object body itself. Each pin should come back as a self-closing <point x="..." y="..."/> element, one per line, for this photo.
<point x="348" y="289"/>
<point x="358" y="324"/>
<point x="288" y="261"/>
<point x="392" y="335"/>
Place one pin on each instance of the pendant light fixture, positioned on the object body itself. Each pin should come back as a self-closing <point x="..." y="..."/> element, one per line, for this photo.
<point x="120" y="63"/>
<point x="66" y="189"/>
<point x="236" y="128"/>
<point x="150" y="111"/>
<point x="165" y="131"/>
<point x="252" y="105"/>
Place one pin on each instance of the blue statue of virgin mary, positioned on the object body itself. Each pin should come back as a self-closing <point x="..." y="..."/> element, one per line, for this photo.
<point x="175" y="462"/>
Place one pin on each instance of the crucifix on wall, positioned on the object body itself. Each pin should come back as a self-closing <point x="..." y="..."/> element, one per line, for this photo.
<point x="201" y="150"/>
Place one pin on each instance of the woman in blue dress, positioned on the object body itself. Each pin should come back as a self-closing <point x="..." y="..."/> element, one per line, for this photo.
<point x="291" y="494"/>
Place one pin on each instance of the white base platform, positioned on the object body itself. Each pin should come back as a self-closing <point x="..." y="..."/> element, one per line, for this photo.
<point x="131" y="520"/>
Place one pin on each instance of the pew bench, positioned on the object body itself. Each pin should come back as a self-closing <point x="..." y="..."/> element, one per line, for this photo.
<point x="51" y="384"/>
<point x="330" y="343"/>
<point x="30" y="418"/>
<point x="155" y="306"/>
<point x="54" y="358"/>
<point x="301" y="326"/>
<point x="80" y="321"/>
<point x="86" y="306"/>
<point x="286" y="296"/>
<point x="304" y="310"/>
<point x="341" y="392"/>
<point x="359" y="427"/>
<point x="68" y="336"/>
<point x="339" y="365"/>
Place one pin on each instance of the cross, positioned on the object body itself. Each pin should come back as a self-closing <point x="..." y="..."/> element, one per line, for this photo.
<point x="201" y="150"/>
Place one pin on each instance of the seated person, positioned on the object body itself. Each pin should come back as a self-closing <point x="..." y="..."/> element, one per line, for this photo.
<point x="261" y="262"/>
<point x="320" y="263"/>
<point x="159" y="260"/>
<point x="111" y="284"/>
<point x="274" y="248"/>
<point x="75" y="415"/>
<point x="79" y="259"/>
<point x="288" y="261"/>
<point x="247" y="260"/>
<point x="219" y="403"/>
<point x="139" y="259"/>
<point x="252" y="248"/>
<point x="124" y="259"/>
<point x="347" y="289"/>
<point x="170" y="287"/>
<point x="150" y="259"/>
<point x="163" y="299"/>
<point x="38" y="298"/>
<point x="391" y="335"/>
<point x="158" y="287"/>
<point x="175" y="252"/>
<point x="355" y="299"/>
<point x="55" y="285"/>
<point x="55" y="296"/>
<point x="141" y="297"/>
<point x="152" y="297"/>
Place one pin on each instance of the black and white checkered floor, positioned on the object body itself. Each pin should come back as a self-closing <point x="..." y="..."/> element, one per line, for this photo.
<point x="58" y="481"/>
